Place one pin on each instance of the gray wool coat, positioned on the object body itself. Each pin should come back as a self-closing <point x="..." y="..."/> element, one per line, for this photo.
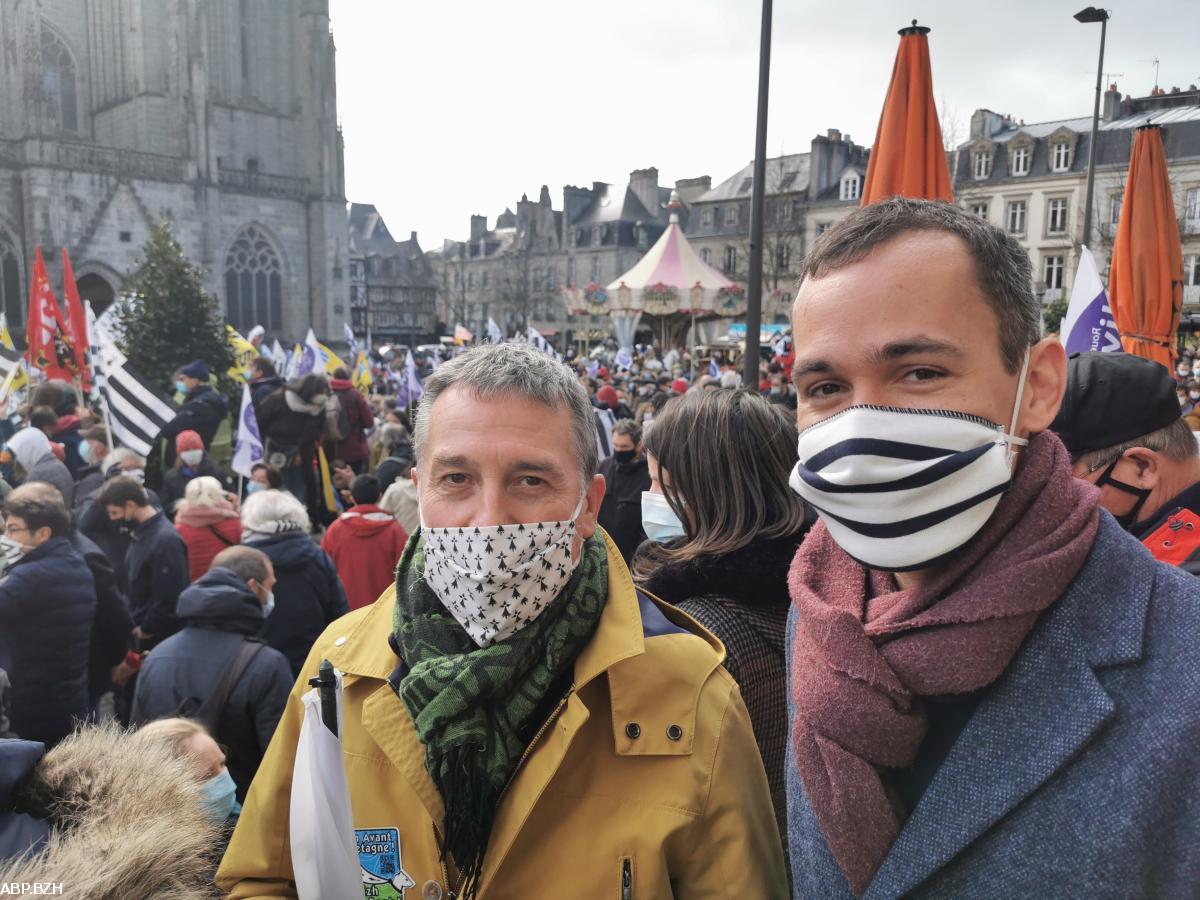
<point x="1078" y="775"/>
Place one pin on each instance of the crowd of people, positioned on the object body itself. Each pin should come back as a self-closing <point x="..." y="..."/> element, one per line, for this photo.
<point x="914" y="616"/>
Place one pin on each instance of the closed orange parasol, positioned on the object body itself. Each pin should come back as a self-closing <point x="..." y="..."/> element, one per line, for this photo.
<point x="908" y="159"/>
<point x="1145" y="281"/>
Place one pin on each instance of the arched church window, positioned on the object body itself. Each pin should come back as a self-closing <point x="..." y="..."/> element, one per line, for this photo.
<point x="11" y="296"/>
<point x="58" y="83"/>
<point x="253" y="282"/>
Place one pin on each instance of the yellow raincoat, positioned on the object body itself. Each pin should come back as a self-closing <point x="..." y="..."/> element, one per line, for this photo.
<point x="646" y="782"/>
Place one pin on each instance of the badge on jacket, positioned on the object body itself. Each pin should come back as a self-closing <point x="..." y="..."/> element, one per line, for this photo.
<point x="383" y="872"/>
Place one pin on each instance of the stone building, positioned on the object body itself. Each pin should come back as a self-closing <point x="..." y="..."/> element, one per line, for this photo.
<point x="1031" y="180"/>
<point x="393" y="292"/>
<point x="514" y="273"/>
<point x="219" y="115"/>
<point x="805" y="194"/>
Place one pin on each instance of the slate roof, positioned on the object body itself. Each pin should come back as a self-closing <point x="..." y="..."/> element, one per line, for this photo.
<point x="618" y="203"/>
<point x="792" y="178"/>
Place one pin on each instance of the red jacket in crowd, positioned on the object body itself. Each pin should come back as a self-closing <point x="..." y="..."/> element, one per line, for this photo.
<point x="352" y="449"/>
<point x="365" y="544"/>
<point x="206" y="531"/>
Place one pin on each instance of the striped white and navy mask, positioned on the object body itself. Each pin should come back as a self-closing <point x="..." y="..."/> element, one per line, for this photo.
<point x="899" y="489"/>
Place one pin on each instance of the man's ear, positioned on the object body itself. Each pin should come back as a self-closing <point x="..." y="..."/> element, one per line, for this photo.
<point x="586" y="523"/>
<point x="1149" y="466"/>
<point x="1045" y="384"/>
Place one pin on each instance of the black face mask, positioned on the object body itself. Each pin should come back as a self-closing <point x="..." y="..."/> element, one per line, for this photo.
<point x="624" y="457"/>
<point x="1129" y="519"/>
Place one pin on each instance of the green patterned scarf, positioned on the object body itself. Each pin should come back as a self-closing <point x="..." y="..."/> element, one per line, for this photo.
<point x="471" y="705"/>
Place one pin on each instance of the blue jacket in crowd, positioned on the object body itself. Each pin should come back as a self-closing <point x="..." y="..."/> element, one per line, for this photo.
<point x="157" y="568"/>
<point x="47" y="606"/>
<point x="1077" y="776"/>
<point x="20" y="833"/>
<point x="219" y="610"/>
<point x="308" y="594"/>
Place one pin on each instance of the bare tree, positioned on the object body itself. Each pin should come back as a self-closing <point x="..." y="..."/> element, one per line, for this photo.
<point x="783" y="231"/>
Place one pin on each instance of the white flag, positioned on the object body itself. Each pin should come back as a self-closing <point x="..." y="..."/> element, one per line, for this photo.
<point x="351" y="341"/>
<point x="312" y="357"/>
<point x="325" y="862"/>
<point x="1089" y="324"/>
<point x="495" y="335"/>
<point x="249" y="449"/>
<point x="280" y="358"/>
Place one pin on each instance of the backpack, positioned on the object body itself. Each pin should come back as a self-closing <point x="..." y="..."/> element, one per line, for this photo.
<point x="337" y="419"/>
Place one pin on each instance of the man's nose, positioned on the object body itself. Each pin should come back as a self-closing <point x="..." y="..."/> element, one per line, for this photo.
<point x="491" y="507"/>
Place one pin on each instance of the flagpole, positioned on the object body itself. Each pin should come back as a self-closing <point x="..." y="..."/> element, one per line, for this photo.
<point x="751" y="361"/>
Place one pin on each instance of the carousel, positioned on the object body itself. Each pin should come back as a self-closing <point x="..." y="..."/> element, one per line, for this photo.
<point x="671" y="290"/>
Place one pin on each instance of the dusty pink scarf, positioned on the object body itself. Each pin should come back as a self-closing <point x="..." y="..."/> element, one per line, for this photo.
<point x="859" y="670"/>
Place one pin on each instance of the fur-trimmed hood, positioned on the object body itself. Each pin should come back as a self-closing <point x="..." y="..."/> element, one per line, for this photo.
<point x="755" y="575"/>
<point x="128" y="821"/>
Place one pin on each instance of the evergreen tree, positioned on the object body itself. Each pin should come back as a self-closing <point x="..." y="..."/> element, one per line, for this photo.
<point x="1052" y="315"/>
<point x="168" y="319"/>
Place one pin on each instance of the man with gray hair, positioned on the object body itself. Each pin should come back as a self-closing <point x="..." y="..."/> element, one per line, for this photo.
<point x="518" y="720"/>
<point x="992" y="686"/>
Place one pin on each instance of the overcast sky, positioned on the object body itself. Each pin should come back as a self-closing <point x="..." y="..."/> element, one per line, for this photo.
<point x="454" y="108"/>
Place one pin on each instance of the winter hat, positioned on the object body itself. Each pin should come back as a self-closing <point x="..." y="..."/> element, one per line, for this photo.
<point x="608" y="396"/>
<point x="188" y="440"/>
<point x="196" y="369"/>
<point x="679" y="386"/>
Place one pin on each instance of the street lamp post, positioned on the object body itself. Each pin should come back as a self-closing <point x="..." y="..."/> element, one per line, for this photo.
<point x="757" y="210"/>
<point x="1089" y="15"/>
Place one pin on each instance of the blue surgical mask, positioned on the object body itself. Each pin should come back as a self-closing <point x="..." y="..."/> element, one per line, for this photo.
<point x="180" y="387"/>
<point x="269" y="605"/>
<point x="220" y="796"/>
<point x="254" y="487"/>
<point x="85" y="453"/>
<point x="658" y="519"/>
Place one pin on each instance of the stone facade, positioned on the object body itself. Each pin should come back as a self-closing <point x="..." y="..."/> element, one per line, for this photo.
<point x="393" y="292"/>
<point x="219" y="115"/>
<point x="1032" y="181"/>
<point x="805" y="194"/>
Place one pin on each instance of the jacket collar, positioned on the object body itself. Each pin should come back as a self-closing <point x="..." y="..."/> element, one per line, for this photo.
<point x="1046" y="707"/>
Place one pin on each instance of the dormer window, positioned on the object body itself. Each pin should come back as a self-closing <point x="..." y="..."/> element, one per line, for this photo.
<point x="597" y="235"/>
<point x="850" y="186"/>
<point x="981" y="163"/>
<point x="731" y="214"/>
<point x="706" y="217"/>
<point x="1020" y="160"/>
<point x="1061" y="156"/>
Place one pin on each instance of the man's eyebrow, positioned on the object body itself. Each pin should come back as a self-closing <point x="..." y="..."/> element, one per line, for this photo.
<point x="453" y="461"/>
<point x="894" y="350"/>
<point x="809" y="367"/>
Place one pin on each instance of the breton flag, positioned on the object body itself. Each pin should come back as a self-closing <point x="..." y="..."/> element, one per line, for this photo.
<point x="249" y="447"/>
<point x="136" y="411"/>
<point x="351" y="341"/>
<point x="1089" y="324"/>
<point x="535" y="338"/>
<point x="410" y="388"/>
<point x="495" y="335"/>
<point x="279" y="357"/>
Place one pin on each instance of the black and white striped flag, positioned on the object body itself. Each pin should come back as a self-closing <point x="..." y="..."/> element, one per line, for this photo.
<point x="136" y="411"/>
<point x="535" y="338"/>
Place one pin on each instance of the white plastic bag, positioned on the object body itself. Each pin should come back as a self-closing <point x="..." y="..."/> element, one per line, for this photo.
<point x="324" y="853"/>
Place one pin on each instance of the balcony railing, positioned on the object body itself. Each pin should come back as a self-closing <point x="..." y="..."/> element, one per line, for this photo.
<point x="92" y="158"/>
<point x="264" y="184"/>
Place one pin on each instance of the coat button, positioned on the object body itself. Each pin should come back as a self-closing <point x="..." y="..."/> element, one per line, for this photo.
<point x="674" y="732"/>
<point x="633" y="731"/>
<point x="339" y="642"/>
<point x="431" y="891"/>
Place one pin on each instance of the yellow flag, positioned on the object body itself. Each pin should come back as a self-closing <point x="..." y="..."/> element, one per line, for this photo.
<point x="6" y="340"/>
<point x="244" y="353"/>
<point x="326" y="482"/>
<point x="332" y="360"/>
<point x="362" y="373"/>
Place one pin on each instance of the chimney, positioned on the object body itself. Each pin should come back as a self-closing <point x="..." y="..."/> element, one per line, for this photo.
<point x="413" y="237"/>
<point x="644" y="184"/>
<point x="985" y="123"/>
<point x="1110" y="109"/>
<point x="691" y="188"/>
<point x="478" y="227"/>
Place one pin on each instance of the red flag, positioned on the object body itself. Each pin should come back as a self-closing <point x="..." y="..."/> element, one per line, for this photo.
<point x="76" y="320"/>
<point x="49" y="346"/>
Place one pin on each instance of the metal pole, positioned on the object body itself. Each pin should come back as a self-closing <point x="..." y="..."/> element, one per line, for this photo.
<point x="757" y="202"/>
<point x="1091" y="173"/>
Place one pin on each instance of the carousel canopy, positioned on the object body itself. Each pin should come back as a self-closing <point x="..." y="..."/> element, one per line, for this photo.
<point x="671" y="278"/>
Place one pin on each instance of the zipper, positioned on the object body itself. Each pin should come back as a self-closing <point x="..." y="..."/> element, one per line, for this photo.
<point x="626" y="878"/>
<point x="537" y="737"/>
<point x="452" y="893"/>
